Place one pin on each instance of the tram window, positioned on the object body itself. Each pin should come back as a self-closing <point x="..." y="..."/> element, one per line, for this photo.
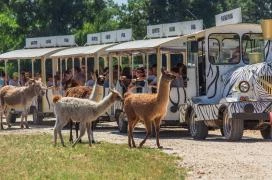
<point x="192" y="52"/>
<point x="253" y="47"/>
<point x="175" y="59"/>
<point x="224" y="48"/>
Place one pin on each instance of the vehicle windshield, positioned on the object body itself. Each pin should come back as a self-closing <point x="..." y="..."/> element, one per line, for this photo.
<point x="224" y="48"/>
<point x="253" y="48"/>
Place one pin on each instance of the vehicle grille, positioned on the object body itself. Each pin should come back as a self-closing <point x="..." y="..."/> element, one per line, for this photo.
<point x="266" y="82"/>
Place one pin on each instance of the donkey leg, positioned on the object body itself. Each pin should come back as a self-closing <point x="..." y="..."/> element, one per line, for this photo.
<point x="1" y="126"/>
<point x="26" y="122"/>
<point x="148" y="126"/>
<point x="22" y="121"/>
<point x="7" y="111"/>
<point x="157" y="123"/>
<point x="82" y="129"/>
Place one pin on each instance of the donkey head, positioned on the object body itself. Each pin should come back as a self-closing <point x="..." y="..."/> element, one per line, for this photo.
<point x="116" y="95"/>
<point x="167" y="75"/>
<point x="99" y="78"/>
<point x="38" y="87"/>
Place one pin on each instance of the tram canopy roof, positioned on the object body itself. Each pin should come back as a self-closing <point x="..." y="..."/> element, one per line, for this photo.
<point x="29" y="53"/>
<point x="82" y="51"/>
<point x="145" y="45"/>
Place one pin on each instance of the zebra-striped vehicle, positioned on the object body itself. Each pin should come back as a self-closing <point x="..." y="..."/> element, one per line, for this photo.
<point x="233" y="74"/>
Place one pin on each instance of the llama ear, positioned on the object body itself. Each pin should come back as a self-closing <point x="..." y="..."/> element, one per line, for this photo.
<point x="111" y="90"/>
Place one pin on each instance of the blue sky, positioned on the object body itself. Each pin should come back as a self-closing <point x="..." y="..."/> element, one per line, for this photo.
<point x="120" y="1"/>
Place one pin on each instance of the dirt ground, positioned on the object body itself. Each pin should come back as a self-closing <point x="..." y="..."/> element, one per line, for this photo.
<point x="214" y="158"/>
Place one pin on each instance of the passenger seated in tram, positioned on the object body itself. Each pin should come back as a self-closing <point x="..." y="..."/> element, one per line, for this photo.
<point x="14" y="81"/>
<point x="68" y="80"/>
<point x="79" y="76"/>
<point x="152" y="78"/>
<point x="125" y="79"/>
<point x="38" y="77"/>
<point x="235" y="58"/>
<point x="139" y="82"/>
<point x="49" y="82"/>
<point x="106" y="75"/>
<point x="90" y="82"/>
<point x="178" y="82"/>
<point x="183" y="72"/>
<point x="2" y="78"/>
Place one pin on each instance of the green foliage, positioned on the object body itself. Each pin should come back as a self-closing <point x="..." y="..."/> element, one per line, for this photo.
<point x="34" y="157"/>
<point x="29" y="18"/>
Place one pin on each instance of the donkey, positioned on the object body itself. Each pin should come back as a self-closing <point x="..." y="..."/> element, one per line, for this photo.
<point x="12" y="97"/>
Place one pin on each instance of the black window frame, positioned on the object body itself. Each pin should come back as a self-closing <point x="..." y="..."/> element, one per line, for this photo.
<point x="239" y="40"/>
<point x="242" y="40"/>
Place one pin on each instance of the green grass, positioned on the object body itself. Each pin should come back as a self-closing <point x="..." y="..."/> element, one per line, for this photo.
<point x="34" y="157"/>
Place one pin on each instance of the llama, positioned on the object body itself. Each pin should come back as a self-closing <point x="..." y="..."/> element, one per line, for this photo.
<point x="84" y="111"/>
<point x="95" y="94"/>
<point x="149" y="108"/>
<point x="13" y="97"/>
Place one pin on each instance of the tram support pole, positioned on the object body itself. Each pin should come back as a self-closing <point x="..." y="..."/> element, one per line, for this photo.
<point x="110" y="72"/>
<point x="86" y="69"/>
<point x="32" y="67"/>
<point x="6" y="72"/>
<point x="73" y="66"/>
<point x="19" y="69"/>
<point x="159" y="62"/>
<point x="168" y="61"/>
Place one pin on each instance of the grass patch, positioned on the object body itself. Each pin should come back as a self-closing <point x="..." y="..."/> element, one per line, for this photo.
<point x="34" y="157"/>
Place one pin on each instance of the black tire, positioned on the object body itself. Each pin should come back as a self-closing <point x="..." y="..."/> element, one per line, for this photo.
<point x="122" y="122"/>
<point x="233" y="128"/>
<point x="222" y="132"/>
<point x="198" y="129"/>
<point x="37" y="116"/>
<point x="266" y="132"/>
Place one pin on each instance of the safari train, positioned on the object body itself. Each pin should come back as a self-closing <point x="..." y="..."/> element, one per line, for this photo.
<point x="226" y="84"/>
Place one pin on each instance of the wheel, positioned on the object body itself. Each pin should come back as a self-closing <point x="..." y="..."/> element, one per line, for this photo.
<point x="37" y="116"/>
<point x="266" y="132"/>
<point x="233" y="128"/>
<point x="198" y="129"/>
<point x="222" y="131"/>
<point x="122" y="122"/>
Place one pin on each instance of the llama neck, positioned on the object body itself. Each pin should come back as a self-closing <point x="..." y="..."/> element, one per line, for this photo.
<point x="163" y="91"/>
<point x="103" y="105"/>
<point x="97" y="93"/>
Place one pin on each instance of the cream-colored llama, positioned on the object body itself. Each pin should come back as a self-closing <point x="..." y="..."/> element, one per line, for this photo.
<point x="84" y="111"/>
<point x="149" y="108"/>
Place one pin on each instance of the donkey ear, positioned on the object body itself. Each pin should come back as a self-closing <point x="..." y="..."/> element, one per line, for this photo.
<point x="31" y="82"/>
<point x="96" y="74"/>
<point x="162" y="71"/>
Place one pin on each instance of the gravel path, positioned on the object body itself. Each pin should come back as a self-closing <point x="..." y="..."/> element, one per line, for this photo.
<point x="213" y="158"/>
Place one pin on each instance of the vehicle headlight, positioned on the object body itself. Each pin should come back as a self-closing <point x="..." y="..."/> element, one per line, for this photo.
<point x="244" y="86"/>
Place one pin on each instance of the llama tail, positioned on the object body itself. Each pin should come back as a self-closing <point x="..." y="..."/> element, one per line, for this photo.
<point x="56" y="98"/>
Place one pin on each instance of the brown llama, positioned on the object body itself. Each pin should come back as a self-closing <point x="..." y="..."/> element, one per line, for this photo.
<point x="84" y="92"/>
<point x="149" y="108"/>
